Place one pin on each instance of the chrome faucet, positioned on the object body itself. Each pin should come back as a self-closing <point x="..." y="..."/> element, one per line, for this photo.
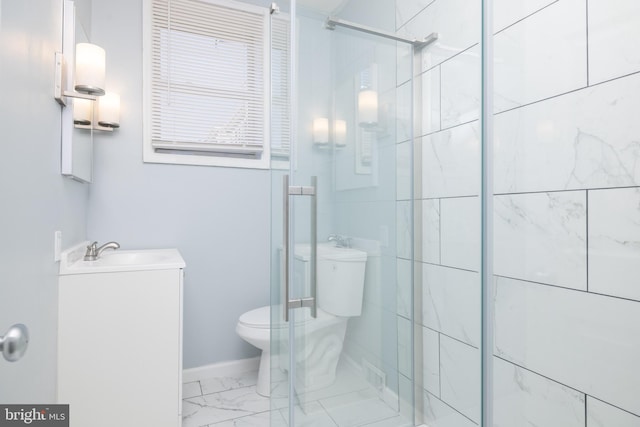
<point x="341" y="241"/>
<point x="94" y="252"/>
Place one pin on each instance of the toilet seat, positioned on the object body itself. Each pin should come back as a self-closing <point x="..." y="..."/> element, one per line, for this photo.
<point x="258" y="318"/>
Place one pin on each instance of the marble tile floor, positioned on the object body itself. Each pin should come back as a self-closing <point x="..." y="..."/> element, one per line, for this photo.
<point x="233" y="402"/>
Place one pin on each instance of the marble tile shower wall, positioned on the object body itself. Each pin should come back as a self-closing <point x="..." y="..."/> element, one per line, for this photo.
<point x="567" y="210"/>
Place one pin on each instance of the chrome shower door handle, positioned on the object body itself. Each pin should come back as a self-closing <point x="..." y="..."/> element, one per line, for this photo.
<point x="314" y="247"/>
<point x="14" y="343"/>
<point x="285" y="245"/>
<point x="313" y="273"/>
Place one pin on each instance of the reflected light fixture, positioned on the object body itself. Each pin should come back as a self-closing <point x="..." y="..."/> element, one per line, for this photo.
<point x="321" y="131"/>
<point x="340" y="133"/>
<point x="82" y="111"/>
<point x="367" y="107"/>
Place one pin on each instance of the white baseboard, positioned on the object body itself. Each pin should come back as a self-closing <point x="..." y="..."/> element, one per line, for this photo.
<point x="222" y="369"/>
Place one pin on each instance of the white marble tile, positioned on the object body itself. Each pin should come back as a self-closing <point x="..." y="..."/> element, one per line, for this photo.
<point x="586" y="341"/>
<point x="523" y="398"/>
<point x="397" y="421"/>
<point x="403" y="112"/>
<point x="407" y="9"/>
<point x="461" y="80"/>
<point x="430" y="236"/>
<point x="403" y="171"/>
<point x="451" y="302"/>
<point x="586" y="139"/>
<point x="356" y="409"/>
<point x="601" y="414"/>
<point x="508" y="12"/>
<point x="405" y="397"/>
<point x="439" y="414"/>
<point x="191" y="389"/>
<point x="431" y="361"/>
<point x="542" y="237"/>
<point x="430" y="101"/>
<point x="457" y="23"/>
<point x="215" y="385"/>
<point x="460" y="232"/>
<point x="614" y="39"/>
<point x="542" y="56"/>
<point x="403" y="229"/>
<point x="347" y="381"/>
<point x="614" y="242"/>
<point x="313" y="415"/>
<point x="460" y="377"/>
<point x="367" y="334"/>
<point x="264" y="419"/>
<point x="403" y="288"/>
<point x="451" y="162"/>
<point x="217" y="407"/>
<point x="404" y="346"/>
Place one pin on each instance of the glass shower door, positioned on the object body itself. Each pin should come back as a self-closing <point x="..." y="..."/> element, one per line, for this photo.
<point x="341" y="311"/>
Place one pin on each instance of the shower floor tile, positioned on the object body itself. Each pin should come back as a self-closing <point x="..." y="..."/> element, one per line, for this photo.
<point x="232" y="401"/>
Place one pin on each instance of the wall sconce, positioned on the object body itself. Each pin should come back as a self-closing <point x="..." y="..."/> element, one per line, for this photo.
<point x="340" y="133"/>
<point x="109" y="111"/>
<point x="90" y="69"/>
<point x="87" y="77"/>
<point x="88" y="73"/>
<point x="321" y="131"/>
<point x="79" y="82"/>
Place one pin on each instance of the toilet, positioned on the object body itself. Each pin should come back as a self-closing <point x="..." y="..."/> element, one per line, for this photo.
<point x="340" y="287"/>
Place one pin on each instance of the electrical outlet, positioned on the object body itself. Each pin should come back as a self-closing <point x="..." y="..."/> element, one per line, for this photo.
<point x="57" y="245"/>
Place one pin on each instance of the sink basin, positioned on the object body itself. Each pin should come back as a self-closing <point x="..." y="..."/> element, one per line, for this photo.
<point x="72" y="261"/>
<point x="132" y="258"/>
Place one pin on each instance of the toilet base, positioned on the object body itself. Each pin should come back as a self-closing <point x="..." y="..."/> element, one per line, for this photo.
<point x="263" y="387"/>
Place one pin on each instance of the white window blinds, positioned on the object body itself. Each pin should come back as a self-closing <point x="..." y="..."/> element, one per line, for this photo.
<point x="280" y="102"/>
<point x="207" y="78"/>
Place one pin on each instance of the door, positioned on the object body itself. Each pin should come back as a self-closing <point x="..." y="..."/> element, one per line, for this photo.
<point x="341" y="344"/>
<point x="36" y="200"/>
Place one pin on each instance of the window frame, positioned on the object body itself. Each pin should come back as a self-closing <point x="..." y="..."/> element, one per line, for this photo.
<point x="150" y="155"/>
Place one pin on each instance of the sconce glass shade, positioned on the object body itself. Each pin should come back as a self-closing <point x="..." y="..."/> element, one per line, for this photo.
<point x="82" y="111"/>
<point x="321" y="130"/>
<point x="368" y="107"/>
<point x="90" y="69"/>
<point x="109" y="110"/>
<point x="340" y="133"/>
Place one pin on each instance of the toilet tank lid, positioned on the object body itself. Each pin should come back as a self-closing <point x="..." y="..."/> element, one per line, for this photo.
<point x="331" y="252"/>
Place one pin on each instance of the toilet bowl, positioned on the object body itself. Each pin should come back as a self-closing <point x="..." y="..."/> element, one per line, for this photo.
<point x="254" y="327"/>
<point x="340" y="284"/>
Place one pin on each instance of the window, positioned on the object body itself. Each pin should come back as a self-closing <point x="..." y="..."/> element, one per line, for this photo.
<point x="206" y="83"/>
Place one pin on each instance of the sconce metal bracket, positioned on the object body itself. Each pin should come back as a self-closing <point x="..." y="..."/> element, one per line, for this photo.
<point x="59" y="91"/>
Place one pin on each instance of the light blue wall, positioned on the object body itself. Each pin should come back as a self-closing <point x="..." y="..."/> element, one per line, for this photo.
<point x="36" y="199"/>
<point x="219" y="218"/>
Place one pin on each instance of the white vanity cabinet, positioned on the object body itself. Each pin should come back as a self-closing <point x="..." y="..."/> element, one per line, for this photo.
<point x="120" y="340"/>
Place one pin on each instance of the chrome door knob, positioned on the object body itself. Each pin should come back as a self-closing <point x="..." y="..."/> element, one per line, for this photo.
<point x="14" y="343"/>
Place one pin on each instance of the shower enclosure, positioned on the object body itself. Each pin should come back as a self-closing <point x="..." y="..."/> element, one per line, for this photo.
<point x="490" y="178"/>
<point x="341" y="164"/>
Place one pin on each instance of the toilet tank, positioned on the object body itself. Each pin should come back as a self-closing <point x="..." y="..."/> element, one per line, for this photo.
<point x="340" y="283"/>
